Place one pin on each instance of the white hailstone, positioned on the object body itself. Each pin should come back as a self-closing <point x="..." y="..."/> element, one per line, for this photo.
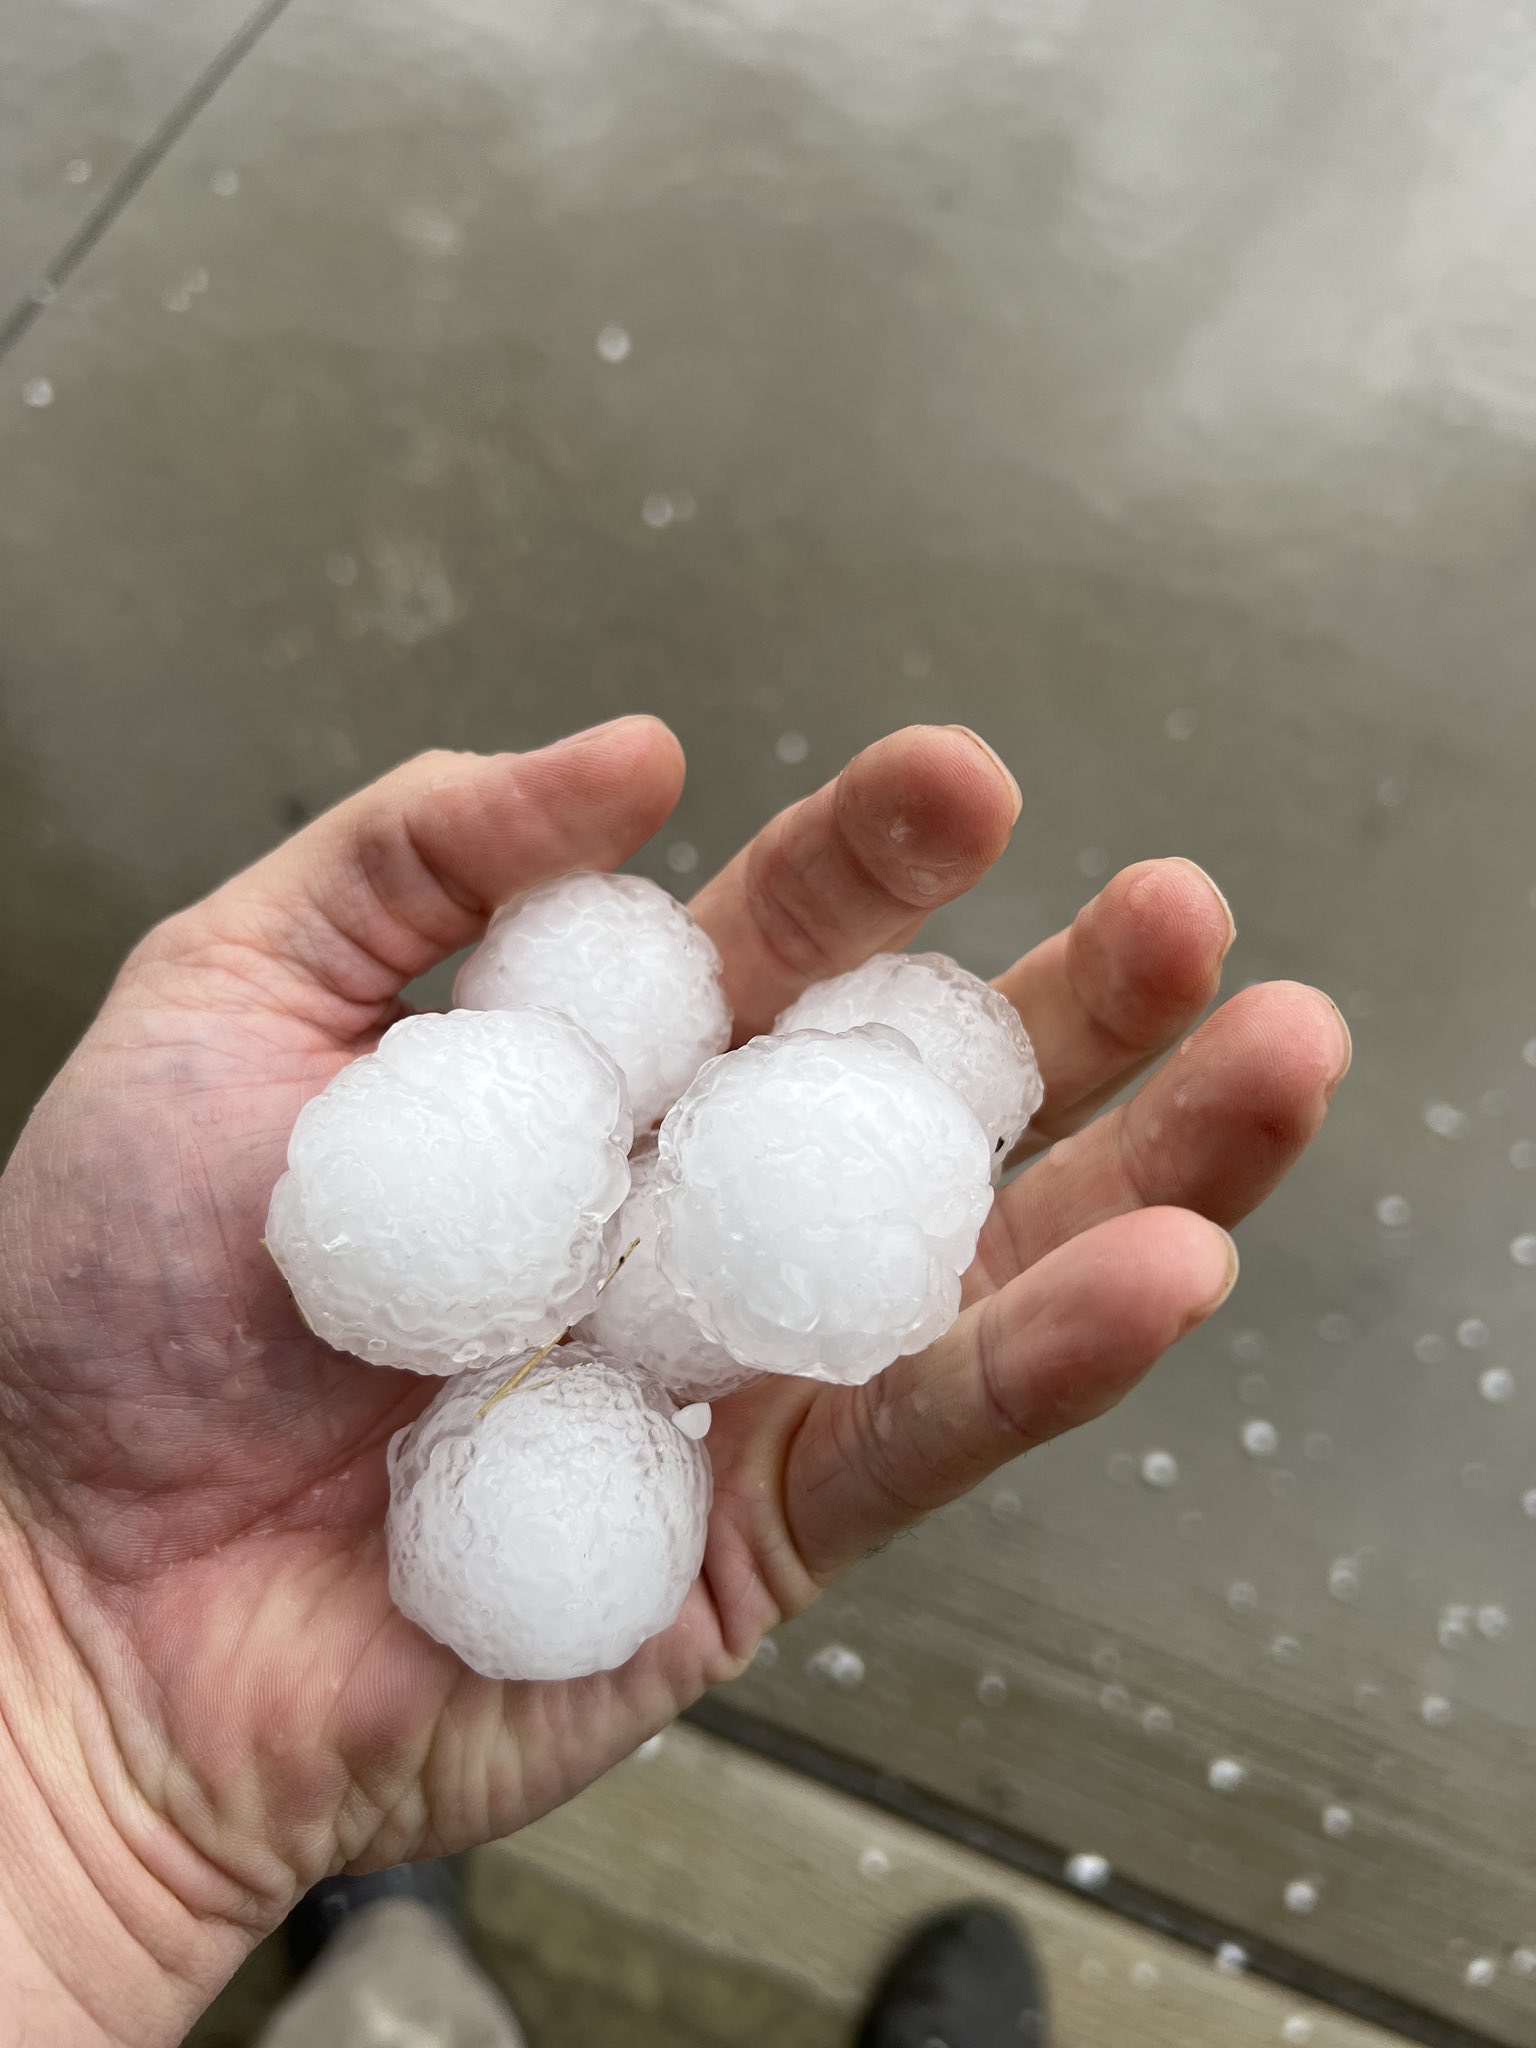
<point x="552" y="1536"/>
<point x="1090" y="1873"/>
<point x="624" y="959"/>
<point x="819" y="1198"/>
<point x="963" y="1029"/>
<point x="450" y="1198"/>
<point x="641" y="1316"/>
<point x="1338" y="1822"/>
<point x="1160" y="1469"/>
<point x="1300" y="1896"/>
<point x="1231" y="1959"/>
<point x="1226" y="1774"/>
<point x="836" y="1665"/>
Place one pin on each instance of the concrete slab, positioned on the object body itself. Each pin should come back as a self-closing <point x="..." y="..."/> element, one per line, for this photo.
<point x="701" y="1898"/>
<point x="84" y="87"/>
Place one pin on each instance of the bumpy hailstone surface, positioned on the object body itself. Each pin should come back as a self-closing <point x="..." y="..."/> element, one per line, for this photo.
<point x="965" y="1031"/>
<point x="819" y="1198"/>
<point x="451" y="1198"/>
<point x="551" y="1538"/>
<point x="625" y="960"/>
<point x="641" y="1316"/>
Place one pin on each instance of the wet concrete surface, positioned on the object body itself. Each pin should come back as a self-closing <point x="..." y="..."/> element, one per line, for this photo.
<point x="1152" y="395"/>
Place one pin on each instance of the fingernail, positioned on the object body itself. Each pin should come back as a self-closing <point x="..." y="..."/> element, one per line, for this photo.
<point x="997" y="761"/>
<point x="1346" y="1049"/>
<point x="1229" y="1280"/>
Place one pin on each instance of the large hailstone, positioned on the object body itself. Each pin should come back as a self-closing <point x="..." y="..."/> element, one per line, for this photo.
<point x="553" y="1536"/>
<point x="641" y="1316"/>
<point x="451" y="1197"/>
<point x="624" y="959"/>
<point x="819" y="1198"/>
<point x="967" y="1032"/>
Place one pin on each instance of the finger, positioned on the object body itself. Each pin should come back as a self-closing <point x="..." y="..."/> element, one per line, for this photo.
<point x="404" y="873"/>
<point x="1106" y="997"/>
<point x="1215" y="1130"/>
<point x="1062" y="1344"/>
<point x="912" y="822"/>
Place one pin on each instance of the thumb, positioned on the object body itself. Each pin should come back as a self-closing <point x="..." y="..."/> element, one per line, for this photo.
<point x="406" y="872"/>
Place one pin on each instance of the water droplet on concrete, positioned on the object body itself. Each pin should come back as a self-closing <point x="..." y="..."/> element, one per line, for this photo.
<point x="1446" y="1121"/>
<point x="1343" y="1578"/>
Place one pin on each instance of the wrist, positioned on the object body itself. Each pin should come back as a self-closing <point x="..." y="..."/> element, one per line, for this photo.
<point x="97" y="1950"/>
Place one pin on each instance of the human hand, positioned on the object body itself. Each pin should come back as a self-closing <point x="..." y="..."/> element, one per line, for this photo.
<point x="206" y="1699"/>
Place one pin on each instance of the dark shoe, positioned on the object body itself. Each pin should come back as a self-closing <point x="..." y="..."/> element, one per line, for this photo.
<point x="335" y="1901"/>
<point x="964" y="1980"/>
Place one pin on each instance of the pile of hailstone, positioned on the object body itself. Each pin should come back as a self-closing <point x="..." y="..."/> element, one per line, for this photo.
<point x="491" y="1182"/>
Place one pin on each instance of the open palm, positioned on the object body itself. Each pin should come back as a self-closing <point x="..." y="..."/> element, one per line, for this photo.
<point x="195" y="1486"/>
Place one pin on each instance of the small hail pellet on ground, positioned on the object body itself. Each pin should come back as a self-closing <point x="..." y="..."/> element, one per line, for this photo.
<point x="462" y="1198"/>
